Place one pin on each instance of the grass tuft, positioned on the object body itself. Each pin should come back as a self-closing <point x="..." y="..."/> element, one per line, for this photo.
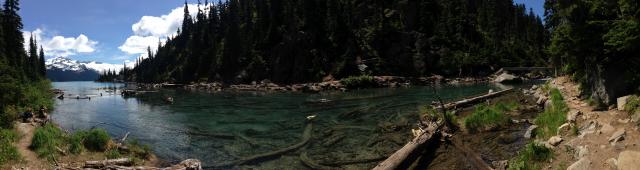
<point x="489" y="116"/>
<point x="553" y="117"/>
<point x="7" y="150"/>
<point x="530" y="157"/>
<point x="96" y="140"/>
<point x="45" y="140"/>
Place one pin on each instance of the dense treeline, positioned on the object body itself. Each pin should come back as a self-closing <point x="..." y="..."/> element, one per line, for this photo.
<point x="22" y="72"/>
<point x="299" y="41"/>
<point x="597" y="42"/>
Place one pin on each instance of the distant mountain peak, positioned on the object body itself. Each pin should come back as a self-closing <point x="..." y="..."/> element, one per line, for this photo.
<point x="67" y="64"/>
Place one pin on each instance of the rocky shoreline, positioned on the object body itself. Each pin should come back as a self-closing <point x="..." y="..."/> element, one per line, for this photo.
<point x="334" y="85"/>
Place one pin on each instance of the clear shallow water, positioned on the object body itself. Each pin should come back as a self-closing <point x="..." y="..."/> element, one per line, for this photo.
<point x="266" y="121"/>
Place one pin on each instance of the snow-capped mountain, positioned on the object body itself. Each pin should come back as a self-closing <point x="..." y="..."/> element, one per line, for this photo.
<point x="65" y="69"/>
<point x="67" y="64"/>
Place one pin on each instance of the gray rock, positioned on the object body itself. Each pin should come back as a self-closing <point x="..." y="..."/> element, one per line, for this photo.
<point x="621" y="102"/>
<point x="529" y="133"/>
<point x="573" y="116"/>
<point x="541" y="100"/>
<point x="582" y="164"/>
<point x="618" y="135"/>
<point x="628" y="160"/>
<point x="612" y="163"/>
<point x="507" y="78"/>
<point x="554" y="140"/>
<point x="534" y="87"/>
<point x="581" y="152"/>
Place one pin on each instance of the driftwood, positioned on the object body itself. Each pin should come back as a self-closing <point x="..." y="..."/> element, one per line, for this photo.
<point x="400" y="156"/>
<point x="306" y="136"/>
<point x="473" y="100"/>
<point x="104" y="163"/>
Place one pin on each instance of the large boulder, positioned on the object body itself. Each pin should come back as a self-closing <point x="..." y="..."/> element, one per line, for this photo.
<point x="507" y="78"/>
<point x="582" y="164"/>
<point x="628" y="160"/>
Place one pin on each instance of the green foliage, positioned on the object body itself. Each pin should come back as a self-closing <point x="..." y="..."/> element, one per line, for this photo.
<point x="489" y="116"/>
<point x="7" y="150"/>
<point x="549" y="120"/>
<point x="139" y="150"/>
<point x="96" y="140"/>
<point x="76" y="141"/>
<point x="596" y="41"/>
<point x="46" y="139"/>
<point x="112" y="154"/>
<point x="356" y="82"/>
<point x="306" y="41"/>
<point x="633" y="104"/>
<point x="530" y="157"/>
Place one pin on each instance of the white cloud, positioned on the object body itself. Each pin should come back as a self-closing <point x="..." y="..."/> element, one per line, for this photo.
<point x="138" y="45"/>
<point x="151" y="29"/>
<point x="60" y="46"/>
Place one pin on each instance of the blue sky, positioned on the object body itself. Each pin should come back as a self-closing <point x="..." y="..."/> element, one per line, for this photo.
<point x="112" y="31"/>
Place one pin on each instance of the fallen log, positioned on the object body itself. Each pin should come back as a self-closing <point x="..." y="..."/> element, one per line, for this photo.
<point x="104" y="163"/>
<point x="306" y="136"/>
<point x="400" y="156"/>
<point x="473" y="100"/>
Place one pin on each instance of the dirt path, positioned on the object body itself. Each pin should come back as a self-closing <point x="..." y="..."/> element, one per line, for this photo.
<point x="591" y="147"/>
<point x="30" y="159"/>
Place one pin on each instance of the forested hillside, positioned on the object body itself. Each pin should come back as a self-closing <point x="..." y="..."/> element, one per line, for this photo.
<point x="300" y="41"/>
<point x="598" y="43"/>
<point x="22" y="82"/>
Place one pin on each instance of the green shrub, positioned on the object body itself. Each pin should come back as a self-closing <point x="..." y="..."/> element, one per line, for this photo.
<point x="530" y="157"/>
<point x="96" y="140"/>
<point x="7" y="150"/>
<point x="112" y="154"/>
<point x="488" y="116"/>
<point x="633" y="104"/>
<point x="45" y="140"/>
<point x="355" y="82"/>
<point x="139" y="150"/>
<point x="553" y="117"/>
<point x="8" y="115"/>
<point x="75" y="142"/>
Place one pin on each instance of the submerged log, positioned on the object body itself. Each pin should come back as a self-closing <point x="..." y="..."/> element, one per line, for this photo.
<point x="474" y="100"/>
<point x="400" y="156"/>
<point x="108" y="162"/>
<point x="306" y="136"/>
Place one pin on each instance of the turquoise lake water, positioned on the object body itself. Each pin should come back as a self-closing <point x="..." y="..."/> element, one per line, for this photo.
<point x="266" y="121"/>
